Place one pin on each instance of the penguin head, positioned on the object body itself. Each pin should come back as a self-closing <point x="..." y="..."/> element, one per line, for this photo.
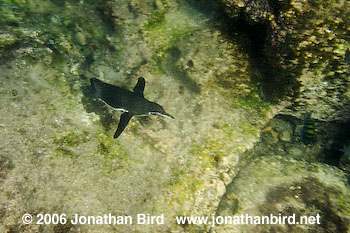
<point x="156" y="109"/>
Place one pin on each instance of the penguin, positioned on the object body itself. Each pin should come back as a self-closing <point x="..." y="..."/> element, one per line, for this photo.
<point x="130" y="103"/>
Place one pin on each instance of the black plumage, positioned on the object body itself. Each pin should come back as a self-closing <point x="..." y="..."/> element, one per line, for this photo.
<point x="131" y="103"/>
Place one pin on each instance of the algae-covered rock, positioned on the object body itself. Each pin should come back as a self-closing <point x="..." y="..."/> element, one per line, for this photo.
<point x="304" y="42"/>
<point x="282" y="186"/>
<point x="7" y="40"/>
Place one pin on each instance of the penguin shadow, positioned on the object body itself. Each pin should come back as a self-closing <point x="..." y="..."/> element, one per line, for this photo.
<point x="147" y="121"/>
<point x="91" y="103"/>
<point x="173" y="54"/>
<point x="143" y="120"/>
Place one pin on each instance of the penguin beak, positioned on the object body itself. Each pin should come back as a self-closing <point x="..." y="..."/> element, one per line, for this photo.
<point x="164" y="114"/>
<point x="168" y="115"/>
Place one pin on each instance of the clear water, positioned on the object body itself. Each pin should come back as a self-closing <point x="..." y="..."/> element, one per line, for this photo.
<point x="234" y="146"/>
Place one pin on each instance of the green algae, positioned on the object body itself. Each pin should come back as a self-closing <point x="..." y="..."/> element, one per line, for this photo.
<point x="163" y="31"/>
<point x="181" y="190"/>
<point x="156" y="66"/>
<point x="184" y="189"/>
<point x="110" y="149"/>
<point x="251" y="101"/>
<point x="66" y="152"/>
<point x="343" y="203"/>
<point x="210" y="153"/>
<point x="155" y="21"/>
<point x="7" y="40"/>
<point x="72" y="139"/>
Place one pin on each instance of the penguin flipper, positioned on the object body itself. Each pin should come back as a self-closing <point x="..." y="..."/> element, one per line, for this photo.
<point x="123" y="122"/>
<point x="140" y="86"/>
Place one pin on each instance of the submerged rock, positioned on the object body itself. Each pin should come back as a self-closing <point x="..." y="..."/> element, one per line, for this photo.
<point x="283" y="186"/>
<point x="305" y="43"/>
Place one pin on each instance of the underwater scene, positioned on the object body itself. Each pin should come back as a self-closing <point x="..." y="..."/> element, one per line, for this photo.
<point x="218" y="116"/>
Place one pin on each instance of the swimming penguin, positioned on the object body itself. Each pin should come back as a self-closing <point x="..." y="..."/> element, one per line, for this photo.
<point x="130" y="103"/>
